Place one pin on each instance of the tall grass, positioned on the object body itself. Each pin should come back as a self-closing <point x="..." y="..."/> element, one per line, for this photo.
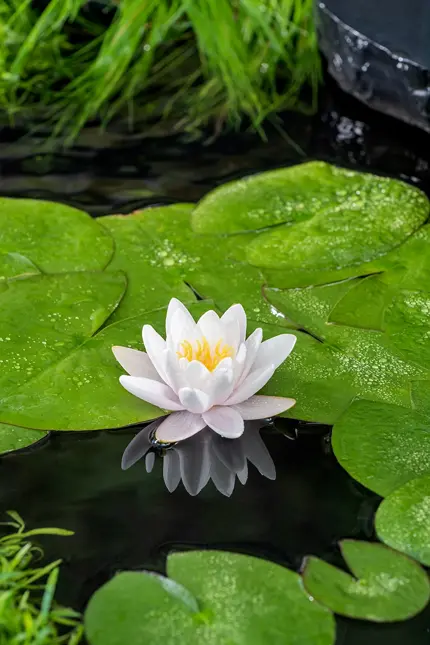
<point x="193" y="63"/>
<point x="28" y="612"/>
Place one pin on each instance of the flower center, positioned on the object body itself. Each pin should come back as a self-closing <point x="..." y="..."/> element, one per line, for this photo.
<point x="202" y="351"/>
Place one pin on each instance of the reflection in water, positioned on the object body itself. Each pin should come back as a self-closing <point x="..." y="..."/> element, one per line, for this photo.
<point x="204" y="456"/>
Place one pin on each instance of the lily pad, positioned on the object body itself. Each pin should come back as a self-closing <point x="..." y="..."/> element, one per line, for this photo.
<point x="344" y="361"/>
<point x="210" y="597"/>
<point x="403" y="519"/>
<point x="80" y="389"/>
<point x="44" y="319"/>
<point x="57" y="238"/>
<point x="152" y="266"/>
<point x="13" y="438"/>
<point x="14" y="265"/>
<point x="382" y="446"/>
<point x="385" y="586"/>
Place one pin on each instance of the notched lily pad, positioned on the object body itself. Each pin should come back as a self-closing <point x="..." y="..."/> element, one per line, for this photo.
<point x="382" y="446"/>
<point x="212" y="597"/>
<point x="403" y="519"/>
<point x="15" y="265"/>
<point x="57" y="238"/>
<point x="388" y="586"/>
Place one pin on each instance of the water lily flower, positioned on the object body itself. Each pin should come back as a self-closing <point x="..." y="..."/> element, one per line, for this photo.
<point x="206" y="373"/>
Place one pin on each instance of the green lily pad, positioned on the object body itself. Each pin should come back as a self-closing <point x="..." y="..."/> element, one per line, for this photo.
<point x="339" y="362"/>
<point x="385" y="586"/>
<point x="81" y="391"/>
<point x="57" y="238"/>
<point x="403" y="519"/>
<point x="44" y="319"/>
<point x="14" y="265"/>
<point x="382" y="446"/>
<point x="210" y="597"/>
<point x="151" y="264"/>
<point x="13" y="438"/>
<point x="208" y="265"/>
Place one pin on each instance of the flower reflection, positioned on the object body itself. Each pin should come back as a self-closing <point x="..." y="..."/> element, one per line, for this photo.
<point x="203" y="457"/>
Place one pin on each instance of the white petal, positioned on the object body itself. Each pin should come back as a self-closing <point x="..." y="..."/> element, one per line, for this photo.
<point x="252" y="384"/>
<point x="274" y="351"/>
<point x="236" y="312"/>
<point x="155" y="346"/>
<point x="136" y="363"/>
<point x="262" y="407"/>
<point x="173" y="370"/>
<point x="221" y="382"/>
<point x="225" y="421"/>
<point x="196" y="375"/>
<point x="239" y="363"/>
<point x="210" y="327"/>
<point x="231" y="334"/>
<point x="171" y="470"/>
<point x="153" y="392"/>
<point x="179" y="426"/>
<point x="193" y="400"/>
<point x="252" y="345"/>
<point x="175" y="305"/>
<point x="182" y="327"/>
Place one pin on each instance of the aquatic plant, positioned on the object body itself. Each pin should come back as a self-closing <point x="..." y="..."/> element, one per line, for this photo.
<point x="188" y="64"/>
<point x="206" y="373"/>
<point x="29" y="614"/>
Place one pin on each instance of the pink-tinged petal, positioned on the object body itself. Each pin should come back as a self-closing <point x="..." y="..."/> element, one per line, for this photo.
<point x="252" y="384"/>
<point x="227" y="422"/>
<point x="263" y="407"/>
<point x="210" y="327"/>
<point x="221" y="383"/>
<point x="274" y="351"/>
<point x="174" y="306"/>
<point x="155" y="346"/>
<point x="179" y="426"/>
<point x="196" y="375"/>
<point x="252" y="345"/>
<point x="193" y="400"/>
<point x="135" y="363"/>
<point x="152" y="392"/>
<point x="237" y="313"/>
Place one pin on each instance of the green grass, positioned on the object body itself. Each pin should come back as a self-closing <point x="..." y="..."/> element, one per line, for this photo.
<point x="187" y="63"/>
<point x="28" y="612"/>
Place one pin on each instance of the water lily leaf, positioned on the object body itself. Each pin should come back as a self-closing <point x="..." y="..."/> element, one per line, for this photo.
<point x="44" y="319"/>
<point x="14" y="438"/>
<point x="57" y="238"/>
<point x="382" y="446"/>
<point x="354" y="225"/>
<point x="403" y="519"/>
<point x="208" y="265"/>
<point x="240" y="599"/>
<point x="349" y="361"/>
<point x="79" y="389"/>
<point x="14" y="265"/>
<point x="407" y="323"/>
<point x="388" y="586"/>
<point x="151" y="263"/>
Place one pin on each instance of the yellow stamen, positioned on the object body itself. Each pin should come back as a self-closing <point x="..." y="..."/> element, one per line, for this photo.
<point x="202" y="352"/>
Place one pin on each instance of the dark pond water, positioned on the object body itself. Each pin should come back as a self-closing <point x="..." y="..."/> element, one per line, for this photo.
<point x="129" y="519"/>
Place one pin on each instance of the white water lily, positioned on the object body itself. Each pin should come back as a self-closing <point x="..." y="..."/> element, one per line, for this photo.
<point x="205" y="373"/>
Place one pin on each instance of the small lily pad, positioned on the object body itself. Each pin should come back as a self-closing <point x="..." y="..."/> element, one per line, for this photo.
<point x="212" y="597"/>
<point x="382" y="446"/>
<point x="56" y="237"/>
<point x="385" y="586"/>
<point x="13" y="438"/>
<point x="403" y="519"/>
